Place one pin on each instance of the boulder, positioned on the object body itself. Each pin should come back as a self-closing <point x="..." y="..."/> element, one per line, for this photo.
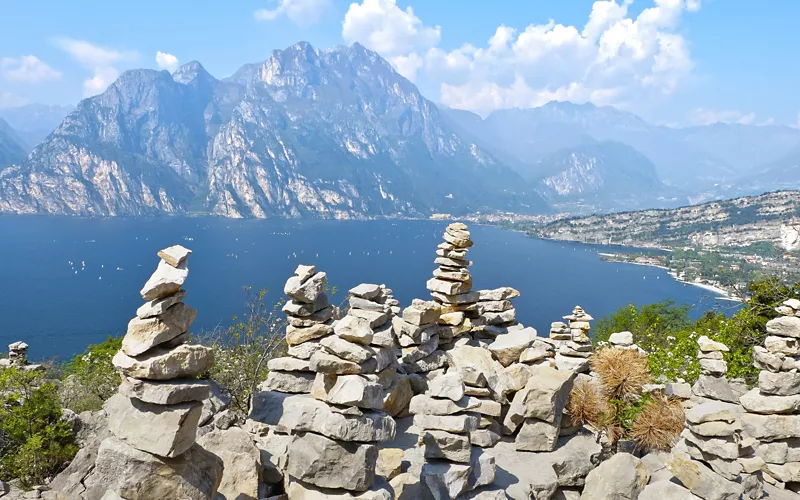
<point x="622" y="476"/>
<point x="184" y="361"/>
<point x="542" y="398"/>
<point x="537" y="435"/>
<point x="241" y="460"/>
<point x="779" y="384"/>
<point x="755" y="402"/>
<point x="507" y="348"/>
<point x="449" y="386"/>
<point x="326" y="463"/>
<point x="717" y="388"/>
<point x="445" y="445"/>
<point x="701" y="480"/>
<point x="303" y="413"/>
<point x="517" y="375"/>
<point x="166" y="392"/>
<point x="621" y="338"/>
<point x="156" y="307"/>
<point x="390" y="462"/>
<point x="398" y="396"/>
<point x="134" y="474"/>
<point x="771" y="427"/>
<point x="354" y="329"/>
<point x="782" y="345"/>
<point x="784" y="326"/>
<point x="163" y="430"/>
<point x="166" y="280"/>
<point x="292" y="382"/>
<point x="445" y="480"/>
<point x="348" y="390"/>
<point x="307" y="290"/>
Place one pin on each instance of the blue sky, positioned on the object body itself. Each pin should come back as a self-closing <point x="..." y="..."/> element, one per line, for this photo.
<point x="680" y="62"/>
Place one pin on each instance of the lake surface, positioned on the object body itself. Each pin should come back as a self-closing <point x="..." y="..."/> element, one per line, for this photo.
<point x="66" y="283"/>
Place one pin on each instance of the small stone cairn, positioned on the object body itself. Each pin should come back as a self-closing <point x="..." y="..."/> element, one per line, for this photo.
<point x="447" y="417"/>
<point x="18" y="357"/>
<point x="497" y="315"/>
<point x="573" y="344"/>
<point x="351" y="372"/>
<point x="773" y="408"/>
<point x="310" y="317"/>
<point x="156" y="411"/>
<point x="418" y="334"/>
<point x="714" y="458"/>
<point x="712" y="385"/>
<point x="451" y="285"/>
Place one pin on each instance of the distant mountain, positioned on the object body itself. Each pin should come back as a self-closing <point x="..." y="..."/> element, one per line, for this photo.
<point x="604" y="175"/>
<point x="34" y="122"/>
<point x="771" y="217"/>
<point x="334" y="133"/>
<point x="12" y="149"/>
<point x="692" y="158"/>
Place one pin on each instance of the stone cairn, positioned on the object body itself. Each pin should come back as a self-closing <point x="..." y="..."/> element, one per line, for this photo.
<point x="496" y="314"/>
<point x="154" y="416"/>
<point x="451" y="285"/>
<point x="572" y="342"/>
<point x="351" y="373"/>
<point x="446" y="417"/>
<point x="18" y="357"/>
<point x="310" y="318"/>
<point x="773" y="408"/>
<point x="713" y="454"/>
<point x="417" y="331"/>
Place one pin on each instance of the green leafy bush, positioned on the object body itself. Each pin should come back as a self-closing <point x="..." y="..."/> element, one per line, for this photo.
<point x="35" y="443"/>
<point x="243" y="349"/>
<point x="90" y="378"/>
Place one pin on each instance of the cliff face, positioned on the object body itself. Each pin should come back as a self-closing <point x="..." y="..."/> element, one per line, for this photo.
<point x="772" y="217"/>
<point x="329" y="134"/>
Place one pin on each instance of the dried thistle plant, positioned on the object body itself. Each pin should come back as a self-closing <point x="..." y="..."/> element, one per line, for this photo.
<point x="623" y="372"/>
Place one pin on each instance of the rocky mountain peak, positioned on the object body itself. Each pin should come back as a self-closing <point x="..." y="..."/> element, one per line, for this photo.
<point x="191" y="72"/>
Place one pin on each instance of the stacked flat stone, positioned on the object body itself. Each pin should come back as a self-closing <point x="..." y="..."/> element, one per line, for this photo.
<point x="713" y="439"/>
<point x="18" y="353"/>
<point x="417" y="332"/>
<point x="496" y="313"/>
<point x="351" y="373"/>
<point x="446" y="416"/>
<point x="159" y="402"/>
<point x="712" y="385"/>
<point x="572" y="341"/>
<point x="310" y="318"/>
<point x="773" y="408"/>
<point x="451" y="285"/>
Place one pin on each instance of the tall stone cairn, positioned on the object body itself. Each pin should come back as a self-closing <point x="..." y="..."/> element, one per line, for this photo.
<point x="154" y="416"/>
<point x="310" y="318"/>
<point x="451" y="285"/>
<point x="773" y="408"/>
<point x="337" y="456"/>
<point x="713" y="454"/>
<point x="446" y="417"/>
<point x="572" y="341"/>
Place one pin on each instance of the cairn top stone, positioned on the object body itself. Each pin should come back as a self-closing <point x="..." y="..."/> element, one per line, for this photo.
<point x="708" y="345"/>
<point x="457" y="226"/>
<point x="304" y="272"/>
<point x="175" y="255"/>
<point x="306" y="291"/>
<point x="621" y="338"/>
<point x="18" y="346"/>
<point x="366" y="291"/>
<point x="793" y="303"/>
<point x="578" y="314"/>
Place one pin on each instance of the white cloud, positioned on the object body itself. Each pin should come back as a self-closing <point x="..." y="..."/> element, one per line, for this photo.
<point x="9" y="100"/>
<point x="384" y="27"/>
<point x="167" y="61"/>
<point x="614" y="58"/>
<point x="100" y="60"/>
<point x="300" y="12"/>
<point x="704" y="116"/>
<point x="27" y="69"/>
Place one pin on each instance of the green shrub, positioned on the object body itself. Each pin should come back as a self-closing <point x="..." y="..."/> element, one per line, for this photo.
<point x="35" y="443"/>
<point x="242" y="350"/>
<point x="90" y="378"/>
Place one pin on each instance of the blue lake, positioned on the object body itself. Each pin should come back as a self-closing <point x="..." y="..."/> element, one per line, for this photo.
<point x="68" y="282"/>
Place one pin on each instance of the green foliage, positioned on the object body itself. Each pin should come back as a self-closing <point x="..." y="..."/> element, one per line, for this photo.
<point x="90" y="377"/>
<point x="667" y="332"/>
<point x="35" y="443"/>
<point x="243" y="349"/>
<point x="626" y="412"/>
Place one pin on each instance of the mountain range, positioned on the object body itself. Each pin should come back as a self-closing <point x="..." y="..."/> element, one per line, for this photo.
<point x="339" y="134"/>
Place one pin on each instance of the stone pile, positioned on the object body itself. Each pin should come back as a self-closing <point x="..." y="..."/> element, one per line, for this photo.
<point x="418" y="333"/>
<point x="712" y="385"/>
<point x="446" y="417"/>
<point x="18" y="357"/>
<point x="451" y="285"/>
<point x="712" y="445"/>
<point x="337" y="428"/>
<point x="496" y="314"/>
<point x="573" y="345"/>
<point x="773" y="408"/>
<point x="155" y="414"/>
<point x="310" y="319"/>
